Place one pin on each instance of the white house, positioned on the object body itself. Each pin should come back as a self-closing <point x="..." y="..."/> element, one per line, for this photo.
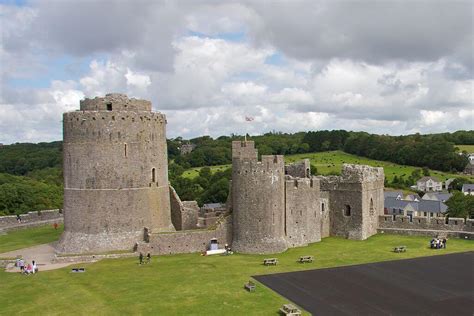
<point x="427" y="184"/>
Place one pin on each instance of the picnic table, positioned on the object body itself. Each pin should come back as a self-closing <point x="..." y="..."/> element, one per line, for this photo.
<point x="304" y="259"/>
<point x="270" y="261"/>
<point x="250" y="286"/>
<point x="290" y="310"/>
<point x="400" y="249"/>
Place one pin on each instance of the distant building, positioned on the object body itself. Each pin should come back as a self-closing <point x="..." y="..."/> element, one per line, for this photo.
<point x="427" y="184"/>
<point x="1" y="145"/>
<point x="437" y="196"/>
<point x="186" y="148"/>
<point x="393" y="194"/>
<point x="469" y="168"/>
<point x="432" y="205"/>
<point x="468" y="189"/>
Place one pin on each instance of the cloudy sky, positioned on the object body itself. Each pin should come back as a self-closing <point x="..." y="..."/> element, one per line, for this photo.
<point x="393" y="67"/>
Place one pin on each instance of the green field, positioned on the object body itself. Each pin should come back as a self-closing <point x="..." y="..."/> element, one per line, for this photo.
<point x="24" y="238"/>
<point x="331" y="162"/>
<point x="468" y="148"/>
<point x="190" y="284"/>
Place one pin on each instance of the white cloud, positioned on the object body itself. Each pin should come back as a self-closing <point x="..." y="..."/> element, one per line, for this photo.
<point x="395" y="71"/>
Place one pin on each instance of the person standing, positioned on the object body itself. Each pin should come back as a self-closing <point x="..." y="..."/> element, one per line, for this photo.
<point x="140" y="258"/>
<point x="444" y="242"/>
<point x="55" y="225"/>
<point x="148" y="258"/>
<point x="21" y="263"/>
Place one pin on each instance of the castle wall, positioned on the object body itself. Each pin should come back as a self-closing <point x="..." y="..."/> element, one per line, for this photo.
<point x="30" y="218"/>
<point x="426" y="223"/>
<point x="303" y="213"/>
<point x="258" y="199"/>
<point x="191" y="241"/>
<point x="115" y="174"/>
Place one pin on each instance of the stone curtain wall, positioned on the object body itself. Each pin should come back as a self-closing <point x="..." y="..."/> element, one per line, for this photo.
<point x="425" y="223"/>
<point x="192" y="240"/>
<point x="31" y="217"/>
<point x="303" y="213"/>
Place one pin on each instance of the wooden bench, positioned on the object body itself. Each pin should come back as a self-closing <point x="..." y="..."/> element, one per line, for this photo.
<point x="290" y="310"/>
<point x="270" y="261"/>
<point x="305" y="259"/>
<point x="400" y="249"/>
<point x="250" y="286"/>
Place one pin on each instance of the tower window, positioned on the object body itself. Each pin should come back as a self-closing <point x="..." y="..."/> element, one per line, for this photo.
<point x="153" y="177"/>
<point x="109" y="106"/>
<point x="322" y="207"/>
<point x="347" y="210"/>
<point x="372" y="210"/>
<point x="125" y="150"/>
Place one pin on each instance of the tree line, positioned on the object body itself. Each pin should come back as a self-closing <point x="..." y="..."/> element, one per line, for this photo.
<point x="38" y="167"/>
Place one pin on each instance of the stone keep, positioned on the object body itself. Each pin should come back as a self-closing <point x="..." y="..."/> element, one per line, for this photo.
<point x="115" y="174"/>
<point x="355" y="201"/>
<point x="258" y="200"/>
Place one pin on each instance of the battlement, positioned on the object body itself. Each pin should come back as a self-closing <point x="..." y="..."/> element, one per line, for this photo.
<point x="244" y="150"/>
<point x="115" y="102"/>
<point x="425" y="223"/>
<point x="301" y="183"/>
<point x="300" y="169"/>
<point x="361" y="173"/>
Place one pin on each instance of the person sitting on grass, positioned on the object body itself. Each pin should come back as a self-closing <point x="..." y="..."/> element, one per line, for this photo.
<point x="29" y="269"/>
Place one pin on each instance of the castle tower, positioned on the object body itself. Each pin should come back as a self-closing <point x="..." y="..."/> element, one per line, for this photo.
<point x="355" y="201"/>
<point x="258" y="200"/>
<point x="115" y="174"/>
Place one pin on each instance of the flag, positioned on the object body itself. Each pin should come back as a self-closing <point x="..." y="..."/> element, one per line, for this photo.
<point x="249" y="118"/>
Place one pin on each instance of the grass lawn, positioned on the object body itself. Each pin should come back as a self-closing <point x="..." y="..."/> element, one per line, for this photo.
<point x="468" y="148"/>
<point x="331" y="161"/>
<point x="190" y="284"/>
<point x="24" y="238"/>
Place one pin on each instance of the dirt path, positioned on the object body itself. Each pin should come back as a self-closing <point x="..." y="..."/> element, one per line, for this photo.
<point x="42" y="254"/>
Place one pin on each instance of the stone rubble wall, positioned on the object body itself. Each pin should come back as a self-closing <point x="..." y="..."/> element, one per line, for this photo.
<point x="300" y="169"/>
<point x="426" y="223"/>
<point x="30" y="218"/>
<point x="303" y="213"/>
<point x="191" y="241"/>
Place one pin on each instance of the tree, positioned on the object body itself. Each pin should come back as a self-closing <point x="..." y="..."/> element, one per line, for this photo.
<point x="460" y="205"/>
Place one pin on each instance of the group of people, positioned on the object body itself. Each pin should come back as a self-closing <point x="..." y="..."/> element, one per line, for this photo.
<point x="141" y="257"/>
<point x="437" y="243"/>
<point x="27" y="268"/>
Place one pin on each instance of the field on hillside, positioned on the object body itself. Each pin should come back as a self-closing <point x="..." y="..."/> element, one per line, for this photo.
<point x="468" y="148"/>
<point x="331" y="162"/>
<point x="191" y="284"/>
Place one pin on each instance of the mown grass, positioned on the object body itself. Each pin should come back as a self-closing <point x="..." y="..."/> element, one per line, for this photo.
<point x="331" y="162"/>
<point x="468" y="148"/>
<point x="24" y="238"/>
<point x="190" y="284"/>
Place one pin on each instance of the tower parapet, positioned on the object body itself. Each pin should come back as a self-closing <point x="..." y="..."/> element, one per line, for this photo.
<point x="258" y="200"/>
<point x="115" y="174"/>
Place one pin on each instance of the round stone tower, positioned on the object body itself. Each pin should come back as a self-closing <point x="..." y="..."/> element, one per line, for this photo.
<point x="115" y="174"/>
<point x="258" y="200"/>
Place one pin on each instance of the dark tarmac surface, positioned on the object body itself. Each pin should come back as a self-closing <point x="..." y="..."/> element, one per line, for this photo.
<point x="438" y="285"/>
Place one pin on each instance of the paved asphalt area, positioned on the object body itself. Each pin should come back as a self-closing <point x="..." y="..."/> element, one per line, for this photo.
<point x="438" y="285"/>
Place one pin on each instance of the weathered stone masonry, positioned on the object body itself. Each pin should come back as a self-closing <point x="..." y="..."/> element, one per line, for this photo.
<point x="115" y="174"/>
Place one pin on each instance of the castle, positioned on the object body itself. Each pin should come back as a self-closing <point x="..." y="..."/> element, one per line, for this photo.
<point x="117" y="195"/>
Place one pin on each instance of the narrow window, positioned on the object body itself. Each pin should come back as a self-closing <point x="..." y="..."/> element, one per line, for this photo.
<point x="347" y="210"/>
<point x="371" y="211"/>
<point x="109" y="106"/>
<point x="322" y="207"/>
<point x="308" y="173"/>
<point x="125" y="150"/>
<point x="153" y="175"/>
